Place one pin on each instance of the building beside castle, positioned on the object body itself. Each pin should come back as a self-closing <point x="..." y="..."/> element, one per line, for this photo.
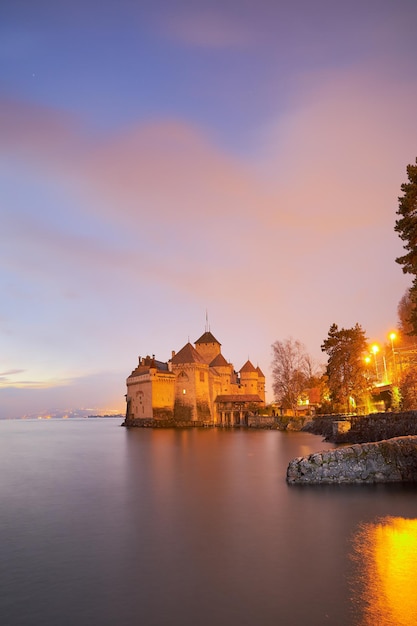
<point x="197" y="384"/>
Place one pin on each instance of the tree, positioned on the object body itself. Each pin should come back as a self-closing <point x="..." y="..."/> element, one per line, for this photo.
<point x="291" y="371"/>
<point x="406" y="227"/>
<point x="404" y="309"/>
<point x="346" y="370"/>
<point x="408" y="390"/>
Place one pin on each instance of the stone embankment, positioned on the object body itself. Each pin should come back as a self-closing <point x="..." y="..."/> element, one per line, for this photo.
<point x="254" y="421"/>
<point x="162" y="423"/>
<point x="394" y="460"/>
<point x="363" y="428"/>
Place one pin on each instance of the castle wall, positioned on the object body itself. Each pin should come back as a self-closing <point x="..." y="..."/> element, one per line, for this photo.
<point x="163" y="395"/>
<point x="192" y="398"/>
<point x="249" y="382"/>
<point x="150" y="395"/>
<point x="208" y="351"/>
<point x="261" y="388"/>
<point x="139" y="397"/>
<point x="215" y="389"/>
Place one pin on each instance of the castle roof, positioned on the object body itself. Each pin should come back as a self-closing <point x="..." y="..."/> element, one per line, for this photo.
<point x="248" y="367"/>
<point x="146" y="364"/>
<point x="218" y="361"/>
<point x="207" y="337"/>
<point x="260" y="373"/>
<point x="187" y="354"/>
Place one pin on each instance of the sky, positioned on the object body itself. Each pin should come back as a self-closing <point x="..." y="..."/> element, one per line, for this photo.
<point x="167" y="162"/>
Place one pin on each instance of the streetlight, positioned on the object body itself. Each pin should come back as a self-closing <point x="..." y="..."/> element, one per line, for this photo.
<point x="375" y="350"/>
<point x="393" y="337"/>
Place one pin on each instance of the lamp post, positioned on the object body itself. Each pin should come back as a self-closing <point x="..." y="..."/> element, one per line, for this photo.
<point x="368" y="360"/>
<point x="375" y="350"/>
<point x="393" y="337"/>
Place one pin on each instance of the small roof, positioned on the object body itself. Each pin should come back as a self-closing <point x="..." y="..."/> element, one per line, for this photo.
<point x="141" y="369"/>
<point x="260" y="372"/>
<point x="146" y="364"/>
<point x="218" y="361"/>
<point x="236" y="397"/>
<point x="248" y="367"/>
<point x="187" y="354"/>
<point x="207" y="337"/>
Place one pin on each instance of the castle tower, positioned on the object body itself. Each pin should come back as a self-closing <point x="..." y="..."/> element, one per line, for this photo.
<point x="261" y="384"/>
<point x="224" y="372"/>
<point x="208" y="347"/>
<point x="249" y="378"/>
<point x="150" y="391"/>
<point x="192" y="395"/>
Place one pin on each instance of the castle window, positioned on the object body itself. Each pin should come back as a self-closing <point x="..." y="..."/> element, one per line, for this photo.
<point x="184" y="391"/>
<point x="202" y="377"/>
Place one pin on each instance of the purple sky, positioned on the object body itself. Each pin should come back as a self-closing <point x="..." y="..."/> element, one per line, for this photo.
<point x="161" y="159"/>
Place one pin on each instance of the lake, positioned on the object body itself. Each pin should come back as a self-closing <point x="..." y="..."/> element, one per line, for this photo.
<point x="100" y="525"/>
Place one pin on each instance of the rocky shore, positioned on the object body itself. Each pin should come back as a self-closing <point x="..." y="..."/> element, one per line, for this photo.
<point x="393" y="460"/>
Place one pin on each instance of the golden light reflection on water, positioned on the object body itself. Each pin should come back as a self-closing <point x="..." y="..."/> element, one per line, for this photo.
<point x="385" y="554"/>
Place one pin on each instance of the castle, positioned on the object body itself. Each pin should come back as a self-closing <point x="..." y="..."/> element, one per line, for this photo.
<point x="196" y="385"/>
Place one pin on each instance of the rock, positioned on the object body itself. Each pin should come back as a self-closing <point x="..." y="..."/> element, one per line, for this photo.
<point x="392" y="460"/>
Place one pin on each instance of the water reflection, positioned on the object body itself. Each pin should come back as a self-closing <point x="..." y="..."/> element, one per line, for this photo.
<point x="385" y="554"/>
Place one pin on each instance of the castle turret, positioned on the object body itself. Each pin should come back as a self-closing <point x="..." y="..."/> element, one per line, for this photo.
<point x="249" y="378"/>
<point x="261" y="384"/>
<point x="208" y="347"/>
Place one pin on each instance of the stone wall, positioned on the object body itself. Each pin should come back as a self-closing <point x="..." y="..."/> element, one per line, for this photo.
<point x="394" y="460"/>
<point x="261" y="421"/>
<point x="161" y="423"/>
<point x="364" y="428"/>
<point x="274" y="422"/>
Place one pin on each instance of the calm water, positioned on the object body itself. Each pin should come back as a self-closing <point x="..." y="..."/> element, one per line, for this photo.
<point x="104" y="526"/>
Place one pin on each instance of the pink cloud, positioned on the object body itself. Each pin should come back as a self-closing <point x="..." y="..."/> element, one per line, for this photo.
<point x="324" y="177"/>
<point x="36" y="132"/>
<point x="173" y="168"/>
<point x="335" y="157"/>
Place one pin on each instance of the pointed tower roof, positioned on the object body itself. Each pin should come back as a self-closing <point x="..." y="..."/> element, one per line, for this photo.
<point x="260" y="372"/>
<point x="248" y="367"/>
<point x="187" y="354"/>
<point x="218" y="361"/>
<point x="207" y="337"/>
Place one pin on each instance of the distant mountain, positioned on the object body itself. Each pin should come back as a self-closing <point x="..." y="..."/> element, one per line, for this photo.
<point x="70" y="414"/>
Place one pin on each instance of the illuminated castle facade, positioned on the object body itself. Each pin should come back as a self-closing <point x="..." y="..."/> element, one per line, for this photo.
<point x="197" y="384"/>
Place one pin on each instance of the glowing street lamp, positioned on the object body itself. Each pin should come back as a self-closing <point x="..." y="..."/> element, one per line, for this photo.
<point x="367" y="360"/>
<point x="375" y="350"/>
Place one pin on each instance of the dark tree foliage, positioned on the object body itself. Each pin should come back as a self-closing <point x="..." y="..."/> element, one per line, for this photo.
<point x="408" y="390"/>
<point x="346" y="370"/>
<point x="406" y="227"/>
<point x="404" y="309"/>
